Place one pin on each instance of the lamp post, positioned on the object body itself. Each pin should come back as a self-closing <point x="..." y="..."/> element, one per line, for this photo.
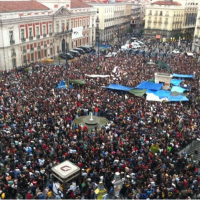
<point x="97" y="37"/>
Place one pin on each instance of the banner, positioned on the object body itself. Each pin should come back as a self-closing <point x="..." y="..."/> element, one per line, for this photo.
<point x="77" y="32"/>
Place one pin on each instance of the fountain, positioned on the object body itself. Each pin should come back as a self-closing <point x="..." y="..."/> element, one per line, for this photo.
<point x="91" y="121"/>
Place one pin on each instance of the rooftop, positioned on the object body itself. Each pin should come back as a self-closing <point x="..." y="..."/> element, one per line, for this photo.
<point x="166" y="3"/>
<point x="79" y="4"/>
<point x="19" y="6"/>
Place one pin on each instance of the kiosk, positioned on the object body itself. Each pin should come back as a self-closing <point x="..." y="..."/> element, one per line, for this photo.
<point x="63" y="174"/>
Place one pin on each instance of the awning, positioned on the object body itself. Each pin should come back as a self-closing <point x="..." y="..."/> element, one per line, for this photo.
<point x="158" y="36"/>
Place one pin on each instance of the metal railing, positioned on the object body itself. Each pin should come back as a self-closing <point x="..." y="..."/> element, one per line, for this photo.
<point x="31" y="38"/>
<point x="38" y="36"/>
<point x="12" y="41"/>
<point x="23" y="39"/>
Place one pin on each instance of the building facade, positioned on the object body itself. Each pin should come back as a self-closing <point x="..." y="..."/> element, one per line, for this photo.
<point x="178" y="20"/>
<point x="136" y="17"/>
<point x="114" y="19"/>
<point x="196" y="40"/>
<point x="33" y="31"/>
<point x="164" y="19"/>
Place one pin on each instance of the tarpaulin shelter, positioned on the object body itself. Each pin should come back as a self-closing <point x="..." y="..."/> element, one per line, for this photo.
<point x="118" y="87"/>
<point x="178" y="98"/>
<point x="183" y="76"/>
<point x="77" y="82"/>
<point x="137" y="92"/>
<point x="160" y="93"/>
<point x="149" y="85"/>
<point x="176" y="82"/>
<point x="177" y="89"/>
<point x="62" y="85"/>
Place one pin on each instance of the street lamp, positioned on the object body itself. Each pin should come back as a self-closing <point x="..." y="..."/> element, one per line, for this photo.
<point x="97" y="37"/>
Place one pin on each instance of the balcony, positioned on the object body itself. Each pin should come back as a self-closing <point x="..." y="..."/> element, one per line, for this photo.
<point x="88" y="26"/>
<point x="24" y="51"/>
<point x="31" y="38"/>
<point x="45" y="45"/>
<point x="63" y="33"/>
<point x="31" y="49"/>
<point x="23" y="39"/>
<point x="12" y="41"/>
<point x="149" y="21"/>
<point x="154" y="21"/>
<point x="50" y="34"/>
<point x="51" y="44"/>
<point x="38" y="47"/>
<point x="92" y="25"/>
<point x="13" y="54"/>
<point x="83" y="26"/>
<point x="160" y="22"/>
<point x="38" y="36"/>
<point x="45" y="35"/>
<point x="166" y="22"/>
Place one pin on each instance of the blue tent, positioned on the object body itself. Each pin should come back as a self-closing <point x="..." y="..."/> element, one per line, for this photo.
<point x="61" y="85"/>
<point x="183" y="76"/>
<point x="177" y="89"/>
<point x="175" y="82"/>
<point x="178" y="98"/>
<point x="118" y="87"/>
<point x="160" y="93"/>
<point x="149" y="86"/>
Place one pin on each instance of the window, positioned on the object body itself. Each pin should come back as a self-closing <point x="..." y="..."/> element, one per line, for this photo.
<point x="80" y="42"/>
<point x="14" y="63"/>
<point x="45" y="43"/>
<point x="80" y="23"/>
<point x="63" y="27"/>
<point x="50" y="28"/>
<point x="67" y="27"/>
<point x="51" y="51"/>
<point x="22" y="34"/>
<point x="30" y="32"/>
<point x="39" y="55"/>
<point x="44" y="29"/>
<point x="57" y="27"/>
<point x="32" y="57"/>
<point x="76" y="43"/>
<point x="38" y="44"/>
<point x="45" y="53"/>
<point x="76" y="24"/>
<point x="72" y="45"/>
<point x="88" y="22"/>
<point x="11" y="35"/>
<point x="160" y="13"/>
<point x="83" y="22"/>
<point x="31" y="47"/>
<point x="72" y="25"/>
<point x="57" y="49"/>
<point x="37" y="30"/>
<point x="87" y="40"/>
<point x="25" y="60"/>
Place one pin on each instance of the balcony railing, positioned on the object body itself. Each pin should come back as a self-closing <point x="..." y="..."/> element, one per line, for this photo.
<point x="45" y="45"/>
<point x="45" y="35"/>
<point x="63" y="32"/>
<point x="92" y="25"/>
<point x="12" y="41"/>
<point x="23" y="39"/>
<point x="13" y="54"/>
<point x="51" y="44"/>
<point x="24" y="51"/>
<point x="31" y="38"/>
<point x="38" y="47"/>
<point x="88" y="26"/>
<point x="31" y="49"/>
<point x="50" y="34"/>
<point x="83" y="26"/>
<point x="38" y="36"/>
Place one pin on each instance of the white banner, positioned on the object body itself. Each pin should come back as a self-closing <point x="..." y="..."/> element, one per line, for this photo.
<point x="77" y="32"/>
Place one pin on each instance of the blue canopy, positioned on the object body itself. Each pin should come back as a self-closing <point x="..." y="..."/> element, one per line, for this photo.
<point x="149" y="86"/>
<point x="118" y="87"/>
<point x="160" y="93"/>
<point x="178" y="98"/>
<point x="175" y="82"/>
<point x="177" y="89"/>
<point x="183" y="76"/>
<point x="61" y="85"/>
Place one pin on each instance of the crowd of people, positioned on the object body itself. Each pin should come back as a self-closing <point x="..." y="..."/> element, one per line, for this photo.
<point x="37" y="130"/>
